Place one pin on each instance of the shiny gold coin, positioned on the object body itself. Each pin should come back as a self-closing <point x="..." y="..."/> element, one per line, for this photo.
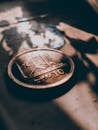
<point x="40" y="68"/>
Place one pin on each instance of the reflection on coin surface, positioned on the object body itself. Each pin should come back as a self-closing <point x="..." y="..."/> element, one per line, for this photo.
<point x="47" y="35"/>
<point x="40" y="68"/>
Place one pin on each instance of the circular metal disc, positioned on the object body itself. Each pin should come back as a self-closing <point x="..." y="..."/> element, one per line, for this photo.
<point x="40" y="68"/>
<point x="49" y="36"/>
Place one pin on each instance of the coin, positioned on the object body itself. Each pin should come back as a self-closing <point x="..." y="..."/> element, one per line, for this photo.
<point x="40" y="68"/>
<point x="47" y="35"/>
<point x="55" y="36"/>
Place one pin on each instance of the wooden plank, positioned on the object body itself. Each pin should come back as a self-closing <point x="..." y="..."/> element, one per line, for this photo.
<point x="81" y="103"/>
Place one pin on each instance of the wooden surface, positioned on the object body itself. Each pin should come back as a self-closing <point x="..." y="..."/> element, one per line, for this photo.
<point x="77" y="109"/>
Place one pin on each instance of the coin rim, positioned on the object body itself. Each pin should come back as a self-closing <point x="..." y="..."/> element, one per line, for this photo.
<point x="22" y="84"/>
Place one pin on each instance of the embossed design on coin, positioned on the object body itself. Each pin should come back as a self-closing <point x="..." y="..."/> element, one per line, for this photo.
<point x="41" y="68"/>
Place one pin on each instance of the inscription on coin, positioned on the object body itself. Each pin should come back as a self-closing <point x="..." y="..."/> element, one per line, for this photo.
<point x="41" y="68"/>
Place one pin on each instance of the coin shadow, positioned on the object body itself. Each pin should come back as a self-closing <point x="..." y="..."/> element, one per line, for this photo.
<point x="31" y="94"/>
